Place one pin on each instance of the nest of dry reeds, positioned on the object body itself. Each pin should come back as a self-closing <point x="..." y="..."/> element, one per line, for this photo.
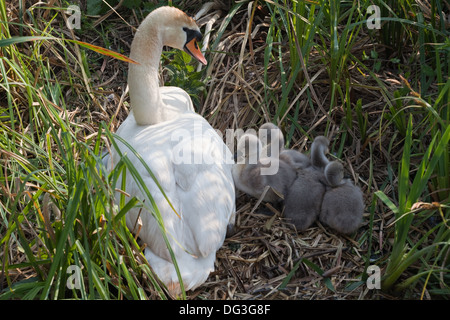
<point x="267" y="258"/>
<point x="255" y="262"/>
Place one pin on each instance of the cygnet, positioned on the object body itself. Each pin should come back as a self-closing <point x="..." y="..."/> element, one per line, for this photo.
<point x="319" y="149"/>
<point x="269" y="133"/>
<point x="248" y="176"/>
<point x="304" y="199"/>
<point x="342" y="204"/>
<point x="333" y="170"/>
<point x="342" y="207"/>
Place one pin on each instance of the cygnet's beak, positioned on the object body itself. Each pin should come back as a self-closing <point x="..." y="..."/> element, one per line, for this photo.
<point x="192" y="48"/>
<point x="235" y="157"/>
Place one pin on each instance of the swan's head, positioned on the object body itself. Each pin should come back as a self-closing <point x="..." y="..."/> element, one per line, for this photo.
<point x="177" y="30"/>
<point x="248" y="149"/>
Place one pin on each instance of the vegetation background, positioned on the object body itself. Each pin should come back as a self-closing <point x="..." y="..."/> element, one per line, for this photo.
<point x="314" y="67"/>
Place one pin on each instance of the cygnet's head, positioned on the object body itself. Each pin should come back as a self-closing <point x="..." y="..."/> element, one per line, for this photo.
<point x="322" y="143"/>
<point x="269" y="132"/>
<point x="270" y="135"/>
<point x="334" y="173"/>
<point x="248" y="149"/>
<point x="175" y="29"/>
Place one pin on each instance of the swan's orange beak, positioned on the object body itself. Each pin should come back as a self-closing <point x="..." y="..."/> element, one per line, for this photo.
<point x="192" y="48"/>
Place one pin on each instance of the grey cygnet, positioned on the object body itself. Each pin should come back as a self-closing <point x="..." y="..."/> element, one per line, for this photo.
<point x="268" y="133"/>
<point x="247" y="171"/>
<point x="304" y="200"/>
<point x="333" y="170"/>
<point x="342" y="207"/>
<point x="342" y="204"/>
<point x="301" y="200"/>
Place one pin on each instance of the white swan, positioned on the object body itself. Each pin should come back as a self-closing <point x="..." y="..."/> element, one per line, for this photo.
<point x="188" y="158"/>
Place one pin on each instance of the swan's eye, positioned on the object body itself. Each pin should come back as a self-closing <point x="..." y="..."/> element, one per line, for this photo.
<point x="192" y="34"/>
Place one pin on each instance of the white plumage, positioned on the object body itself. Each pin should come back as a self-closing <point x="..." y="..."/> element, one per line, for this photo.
<point x="188" y="158"/>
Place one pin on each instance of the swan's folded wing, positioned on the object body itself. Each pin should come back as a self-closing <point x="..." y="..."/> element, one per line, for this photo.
<point x="206" y="210"/>
<point x="176" y="99"/>
<point x="193" y="166"/>
<point x="206" y="193"/>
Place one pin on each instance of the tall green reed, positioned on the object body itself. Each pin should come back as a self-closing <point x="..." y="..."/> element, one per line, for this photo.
<point x="407" y="251"/>
<point x="420" y="115"/>
<point x="59" y="210"/>
<point x="333" y="29"/>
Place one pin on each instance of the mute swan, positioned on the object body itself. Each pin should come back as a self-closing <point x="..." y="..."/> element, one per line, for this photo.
<point x="269" y="132"/>
<point x="342" y="204"/>
<point x="175" y="143"/>
<point x="249" y="177"/>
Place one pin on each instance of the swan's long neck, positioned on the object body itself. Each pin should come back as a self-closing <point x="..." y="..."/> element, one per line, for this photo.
<point x="143" y="81"/>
